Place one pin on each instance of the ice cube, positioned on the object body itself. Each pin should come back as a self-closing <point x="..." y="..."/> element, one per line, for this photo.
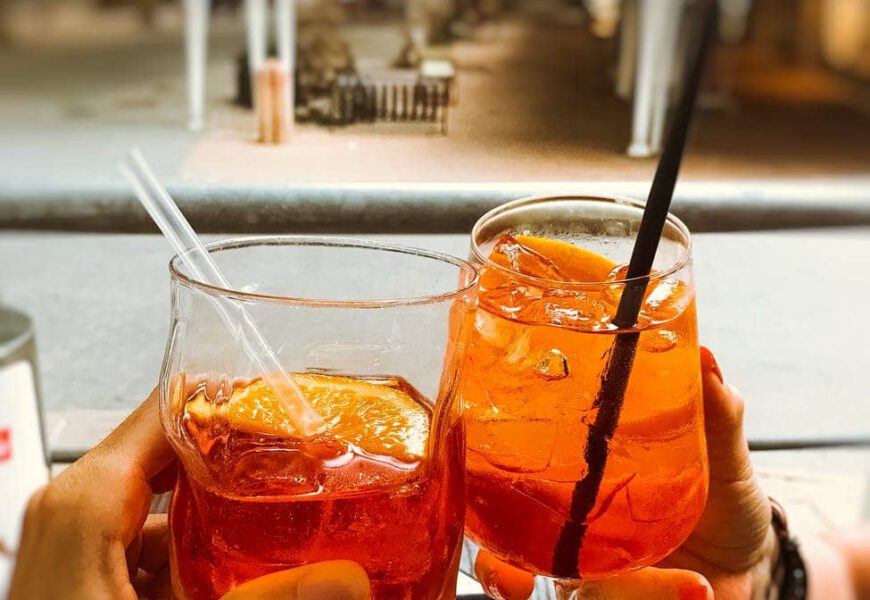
<point x="665" y="300"/>
<point x="666" y="425"/>
<point x="610" y="488"/>
<point x="574" y="310"/>
<point x="613" y="292"/>
<point x="658" y="340"/>
<point x="512" y="341"/>
<point x="553" y="365"/>
<point x="510" y="297"/>
<point x="513" y="442"/>
<point x="490" y="329"/>
<point x="518" y="350"/>
<point x="525" y="260"/>
<point x="276" y="470"/>
<point x="618" y="273"/>
<point x="666" y="499"/>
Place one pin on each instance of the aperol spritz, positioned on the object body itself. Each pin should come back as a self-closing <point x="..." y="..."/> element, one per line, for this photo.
<point x="381" y="481"/>
<point x="552" y="273"/>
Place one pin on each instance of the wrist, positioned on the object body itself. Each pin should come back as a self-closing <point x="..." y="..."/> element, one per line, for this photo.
<point x="788" y="572"/>
<point x="763" y="574"/>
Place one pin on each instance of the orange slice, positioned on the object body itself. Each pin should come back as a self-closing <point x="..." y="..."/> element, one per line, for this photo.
<point x="373" y="415"/>
<point x="575" y="262"/>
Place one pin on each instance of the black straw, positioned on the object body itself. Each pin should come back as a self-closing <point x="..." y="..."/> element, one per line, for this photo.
<point x="614" y="380"/>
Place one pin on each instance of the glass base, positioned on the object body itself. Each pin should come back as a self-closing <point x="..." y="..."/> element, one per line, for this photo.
<point x="545" y="588"/>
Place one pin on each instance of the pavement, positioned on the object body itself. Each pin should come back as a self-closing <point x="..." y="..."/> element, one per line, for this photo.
<point x="536" y="113"/>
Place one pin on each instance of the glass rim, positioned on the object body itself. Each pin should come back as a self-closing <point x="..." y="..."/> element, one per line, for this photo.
<point x="176" y="274"/>
<point x="677" y="265"/>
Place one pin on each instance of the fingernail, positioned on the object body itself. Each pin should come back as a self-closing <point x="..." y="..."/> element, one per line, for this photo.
<point x="316" y="587"/>
<point x="694" y="591"/>
<point x="708" y="363"/>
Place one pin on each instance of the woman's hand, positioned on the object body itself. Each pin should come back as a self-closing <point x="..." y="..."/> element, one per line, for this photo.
<point x="733" y="545"/>
<point x="88" y="536"/>
<point x="87" y="533"/>
<point x="731" y="551"/>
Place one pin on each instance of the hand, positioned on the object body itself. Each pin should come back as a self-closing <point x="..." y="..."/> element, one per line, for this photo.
<point x="88" y="535"/>
<point x="729" y="554"/>
<point x="733" y="545"/>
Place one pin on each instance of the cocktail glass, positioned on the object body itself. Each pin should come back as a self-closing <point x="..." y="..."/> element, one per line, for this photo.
<point x="374" y="335"/>
<point x="552" y="273"/>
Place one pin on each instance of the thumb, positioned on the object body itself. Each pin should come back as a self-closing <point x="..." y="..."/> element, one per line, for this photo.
<point x="327" y="580"/>
<point x="648" y="584"/>
<point x="735" y="523"/>
<point x="138" y="445"/>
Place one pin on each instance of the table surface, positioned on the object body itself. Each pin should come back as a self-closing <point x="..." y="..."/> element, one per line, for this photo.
<point x="782" y="311"/>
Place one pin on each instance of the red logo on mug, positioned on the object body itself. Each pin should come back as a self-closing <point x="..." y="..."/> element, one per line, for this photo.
<point x="5" y="444"/>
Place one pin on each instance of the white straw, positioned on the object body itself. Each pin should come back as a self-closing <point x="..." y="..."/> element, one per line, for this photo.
<point x="184" y="240"/>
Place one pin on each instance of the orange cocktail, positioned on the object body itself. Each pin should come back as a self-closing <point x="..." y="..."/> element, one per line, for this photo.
<point x="367" y="491"/>
<point x="534" y="366"/>
<point x="373" y="335"/>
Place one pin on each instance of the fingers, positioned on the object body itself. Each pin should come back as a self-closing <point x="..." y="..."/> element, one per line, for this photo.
<point x="164" y="481"/>
<point x="154" y="587"/>
<point x="139" y="442"/>
<point x="149" y="550"/>
<point x="506" y="582"/>
<point x="649" y="584"/>
<point x="501" y="580"/>
<point x="150" y="571"/>
<point x="154" y="553"/>
<point x="733" y="533"/>
<point x="327" y="580"/>
<point x="723" y="416"/>
<point x="108" y="492"/>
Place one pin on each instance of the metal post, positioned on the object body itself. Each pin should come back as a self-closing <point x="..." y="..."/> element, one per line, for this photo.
<point x="196" y="13"/>
<point x="666" y="53"/>
<point x="255" y="23"/>
<point x="650" y="16"/>
<point x="627" y="50"/>
<point x="285" y="33"/>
